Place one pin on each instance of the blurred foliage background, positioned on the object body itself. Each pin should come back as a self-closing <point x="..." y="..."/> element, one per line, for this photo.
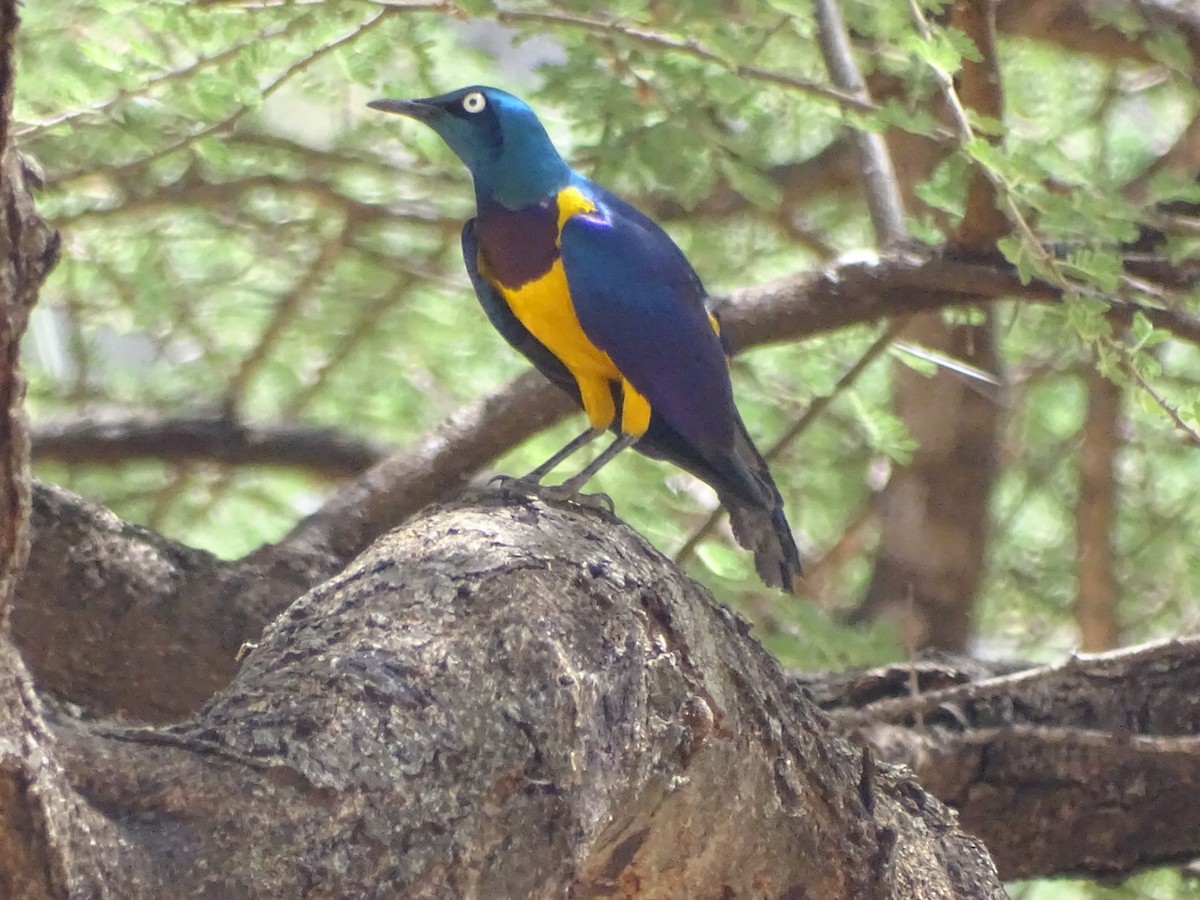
<point x="245" y="242"/>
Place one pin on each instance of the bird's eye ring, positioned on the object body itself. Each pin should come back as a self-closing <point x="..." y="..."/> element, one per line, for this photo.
<point x="474" y="102"/>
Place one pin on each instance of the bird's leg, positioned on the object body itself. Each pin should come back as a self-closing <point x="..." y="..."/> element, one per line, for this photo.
<point x="534" y="478"/>
<point x="576" y="443"/>
<point x="570" y="489"/>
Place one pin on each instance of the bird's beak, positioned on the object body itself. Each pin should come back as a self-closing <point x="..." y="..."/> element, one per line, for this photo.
<point x="414" y="109"/>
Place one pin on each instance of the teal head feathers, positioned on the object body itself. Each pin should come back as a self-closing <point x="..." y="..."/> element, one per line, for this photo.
<point x="511" y="158"/>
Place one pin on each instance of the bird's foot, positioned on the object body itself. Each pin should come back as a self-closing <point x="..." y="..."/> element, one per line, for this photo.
<point x="570" y="494"/>
<point x="516" y="486"/>
<point x="563" y="493"/>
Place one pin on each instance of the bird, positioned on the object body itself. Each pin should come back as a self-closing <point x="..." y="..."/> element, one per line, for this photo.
<point x="605" y="304"/>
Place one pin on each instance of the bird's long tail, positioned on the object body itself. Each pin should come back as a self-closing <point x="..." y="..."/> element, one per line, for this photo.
<point x="762" y="527"/>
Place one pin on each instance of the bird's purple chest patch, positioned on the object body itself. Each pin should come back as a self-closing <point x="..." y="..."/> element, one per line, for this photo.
<point x="518" y="246"/>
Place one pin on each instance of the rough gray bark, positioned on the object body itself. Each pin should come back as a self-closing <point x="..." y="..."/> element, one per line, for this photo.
<point x="1106" y="744"/>
<point x="511" y="701"/>
<point x="42" y="843"/>
<point x="120" y="620"/>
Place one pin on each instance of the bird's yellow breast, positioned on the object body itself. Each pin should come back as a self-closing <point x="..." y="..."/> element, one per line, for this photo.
<point x="544" y="306"/>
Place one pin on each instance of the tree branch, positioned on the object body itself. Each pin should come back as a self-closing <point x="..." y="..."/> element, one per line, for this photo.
<point x="547" y="690"/>
<point x="119" y="619"/>
<point x="687" y="46"/>
<point x="111" y="440"/>
<point x="1083" y="768"/>
<point x="112" y="665"/>
<point x="882" y="191"/>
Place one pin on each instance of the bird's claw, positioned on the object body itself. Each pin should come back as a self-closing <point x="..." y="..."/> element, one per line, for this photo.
<point x="511" y="482"/>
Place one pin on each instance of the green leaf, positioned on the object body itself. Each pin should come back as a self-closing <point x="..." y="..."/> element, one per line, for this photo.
<point x="1104" y="268"/>
<point x="1026" y="261"/>
<point x="940" y="51"/>
<point x="750" y="183"/>
<point x="213" y="149"/>
<point x="1087" y="316"/>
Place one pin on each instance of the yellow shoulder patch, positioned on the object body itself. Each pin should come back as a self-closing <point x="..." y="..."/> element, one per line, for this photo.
<point x="571" y="202"/>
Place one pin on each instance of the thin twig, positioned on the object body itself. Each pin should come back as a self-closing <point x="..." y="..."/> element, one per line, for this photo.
<point x="183" y="73"/>
<point x="1161" y="402"/>
<point x="286" y="309"/>
<point x="366" y="324"/>
<point x="121" y="171"/>
<point x="884" y="201"/>
<point x="688" y="46"/>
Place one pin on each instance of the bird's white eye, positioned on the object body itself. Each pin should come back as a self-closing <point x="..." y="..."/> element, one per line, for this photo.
<point x="474" y="102"/>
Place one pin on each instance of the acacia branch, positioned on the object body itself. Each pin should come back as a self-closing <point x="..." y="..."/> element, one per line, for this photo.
<point x="488" y="669"/>
<point x="170" y="76"/>
<point x="119" y="619"/>
<point x="789" y="309"/>
<point x="112" y="440"/>
<point x="884" y="201"/>
<point x="436" y="465"/>
<point x="284" y="312"/>
<point x="686" y="46"/>
<point x="119" y="172"/>
<point x="1080" y="768"/>
<point x="818" y="405"/>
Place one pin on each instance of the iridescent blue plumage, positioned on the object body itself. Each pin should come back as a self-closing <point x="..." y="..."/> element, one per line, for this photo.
<point x="607" y="307"/>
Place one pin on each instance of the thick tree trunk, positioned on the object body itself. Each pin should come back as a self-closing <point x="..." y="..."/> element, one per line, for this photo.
<point x="1096" y="516"/>
<point x="930" y="560"/>
<point x="508" y="701"/>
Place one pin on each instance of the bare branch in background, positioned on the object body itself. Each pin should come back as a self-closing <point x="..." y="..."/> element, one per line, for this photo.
<point x="436" y="465"/>
<point x="1084" y="768"/>
<point x="288" y="307"/>
<point x="879" y="176"/>
<point x="818" y="405"/>
<point x="110" y="440"/>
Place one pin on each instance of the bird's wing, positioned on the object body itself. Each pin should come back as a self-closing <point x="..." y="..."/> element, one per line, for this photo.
<point x="639" y="300"/>
<point x="739" y="474"/>
<point x="509" y="326"/>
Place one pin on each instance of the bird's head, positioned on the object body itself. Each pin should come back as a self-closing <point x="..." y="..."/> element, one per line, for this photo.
<point x="499" y="138"/>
